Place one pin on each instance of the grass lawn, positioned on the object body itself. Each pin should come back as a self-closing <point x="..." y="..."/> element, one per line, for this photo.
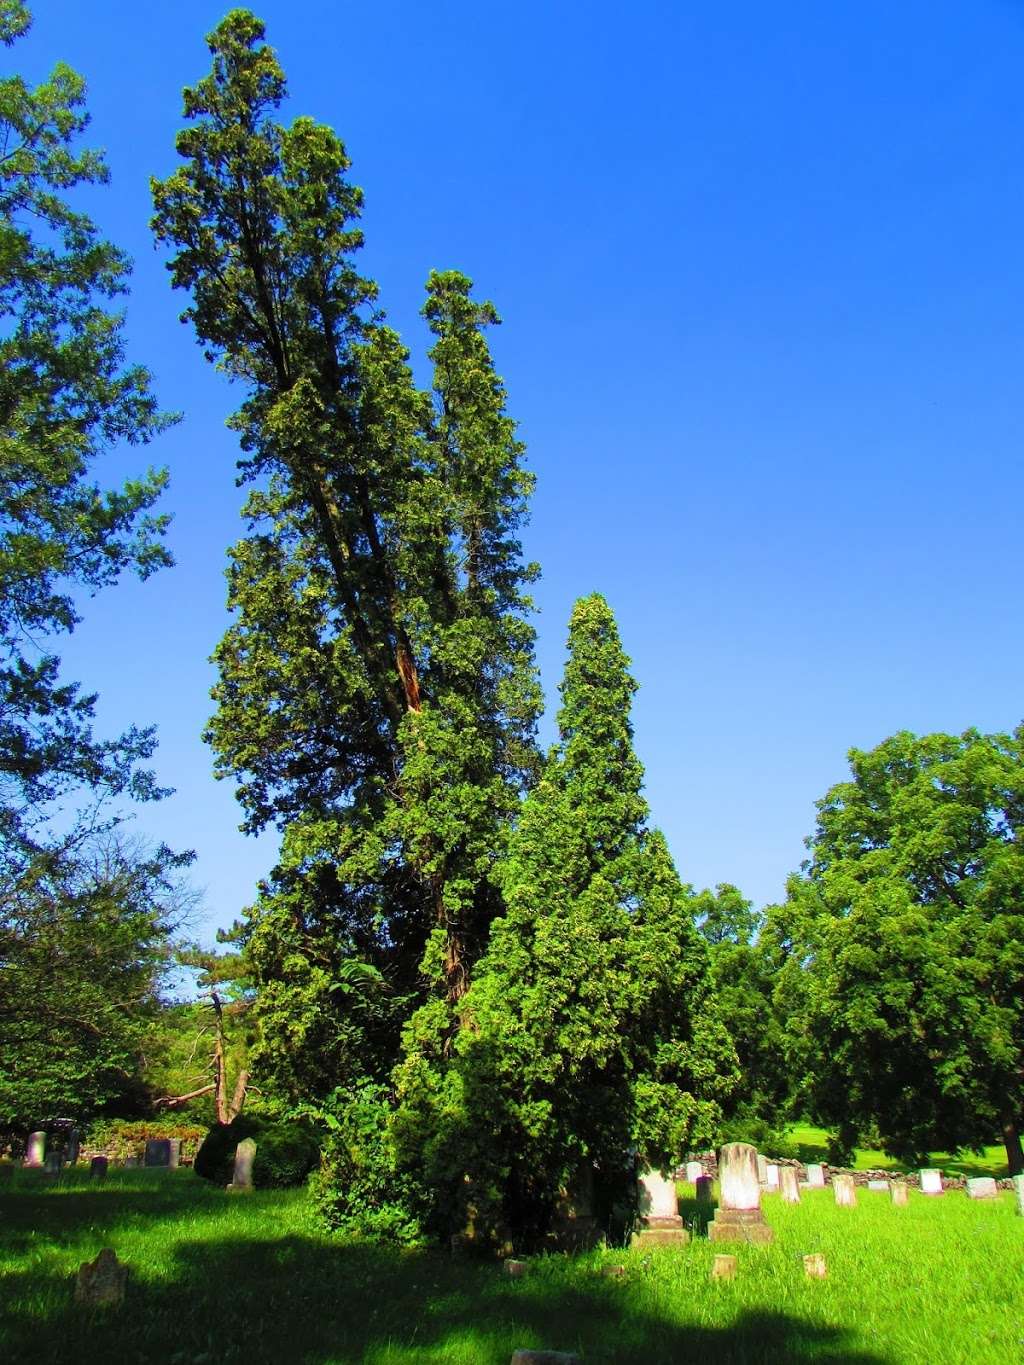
<point x="811" y="1145"/>
<point x="221" y="1278"/>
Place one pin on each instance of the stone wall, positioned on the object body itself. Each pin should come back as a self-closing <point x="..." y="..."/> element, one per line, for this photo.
<point x="709" y="1160"/>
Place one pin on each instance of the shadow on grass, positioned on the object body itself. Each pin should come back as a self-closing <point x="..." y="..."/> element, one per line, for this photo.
<point x="696" y="1214"/>
<point x="298" y="1300"/>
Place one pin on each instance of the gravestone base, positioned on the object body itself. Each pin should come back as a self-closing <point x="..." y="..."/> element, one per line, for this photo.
<point x="656" y="1231"/>
<point x="739" y="1225"/>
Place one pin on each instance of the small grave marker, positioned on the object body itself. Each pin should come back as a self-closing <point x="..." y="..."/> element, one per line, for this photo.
<point x="789" y="1185"/>
<point x="723" y="1268"/>
<point x="815" y="1176"/>
<point x="931" y="1182"/>
<point x="98" y="1168"/>
<point x="815" y="1267"/>
<point x="879" y="1186"/>
<point x="515" y="1270"/>
<point x="845" y="1191"/>
<point x="898" y="1193"/>
<point x="100" y="1283"/>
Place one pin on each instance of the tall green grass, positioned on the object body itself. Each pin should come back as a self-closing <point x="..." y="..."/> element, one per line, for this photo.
<point x="222" y="1278"/>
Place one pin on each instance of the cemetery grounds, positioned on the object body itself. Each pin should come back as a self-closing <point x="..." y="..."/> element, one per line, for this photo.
<point x="217" y="1278"/>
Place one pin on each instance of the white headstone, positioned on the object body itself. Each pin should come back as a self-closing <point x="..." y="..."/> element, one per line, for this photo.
<point x="844" y="1190"/>
<point x="772" y="1173"/>
<point x="931" y="1182"/>
<point x="245" y="1155"/>
<point x="35" y="1152"/>
<point x="898" y="1192"/>
<point x="694" y="1171"/>
<point x="881" y="1186"/>
<point x="982" y="1187"/>
<point x="762" y="1169"/>
<point x="737" y="1176"/>
<point x="1018" y="1186"/>
<point x="789" y="1185"/>
<point x="816" y="1176"/>
<point x="658" y="1196"/>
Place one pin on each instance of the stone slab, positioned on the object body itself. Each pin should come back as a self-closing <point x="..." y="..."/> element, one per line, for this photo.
<point x="982" y="1187"/>
<point x="931" y="1182"/>
<point x="815" y="1176"/>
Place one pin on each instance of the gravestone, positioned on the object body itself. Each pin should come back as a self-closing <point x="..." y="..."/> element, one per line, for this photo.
<point x="704" y="1187"/>
<point x="658" y="1223"/>
<point x="844" y="1190"/>
<point x="35" y="1151"/>
<point x="576" y="1226"/>
<point x="739" y="1217"/>
<point x="53" y="1164"/>
<point x="931" y="1182"/>
<point x="158" y="1152"/>
<point x="815" y="1176"/>
<point x="789" y="1185"/>
<point x="100" y="1283"/>
<point x="879" y="1186"/>
<point x="241" y="1178"/>
<point x="74" y="1145"/>
<point x="762" y="1170"/>
<point x="772" y="1175"/>
<point x="723" y="1268"/>
<point x="174" y="1148"/>
<point x="815" y="1267"/>
<point x="515" y="1270"/>
<point x="694" y="1171"/>
<point x="982" y="1187"/>
<point x="898" y="1193"/>
<point x="1018" y="1187"/>
<point x="98" y="1168"/>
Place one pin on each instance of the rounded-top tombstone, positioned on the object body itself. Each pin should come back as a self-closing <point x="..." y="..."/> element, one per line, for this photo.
<point x="35" y="1152"/>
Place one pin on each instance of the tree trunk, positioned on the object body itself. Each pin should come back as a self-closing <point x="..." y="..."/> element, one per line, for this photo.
<point x="1011" y="1140"/>
<point x="220" y="1079"/>
<point x="238" y="1098"/>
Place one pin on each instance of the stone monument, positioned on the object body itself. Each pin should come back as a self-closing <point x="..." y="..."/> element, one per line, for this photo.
<point x="931" y="1182"/>
<point x="898" y="1193"/>
<point x="771" y="1172"/>
<point x="844" y="1190"/>
<point x="158" y="1152"/>
<point x="98" y="1168"/>
<point x="658" y="1222"/>
<point x="245" y="1155"/>
<point x="35" y="1151"/>
<point x="1018" y="1186"/>
<point x="815" y="1176"/>
<point x="739" y="1217"/>
<point x="789" y="1185"/>
<point x="174" y="1148"/>
<point x="982" y="1187"/>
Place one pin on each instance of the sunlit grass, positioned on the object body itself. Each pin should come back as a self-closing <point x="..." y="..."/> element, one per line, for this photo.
<point x="222" y="1278"/>
<point x="811" y="1144"/>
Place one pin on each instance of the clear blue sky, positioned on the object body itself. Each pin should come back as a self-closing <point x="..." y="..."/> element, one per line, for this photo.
<point x="762" y="275"/>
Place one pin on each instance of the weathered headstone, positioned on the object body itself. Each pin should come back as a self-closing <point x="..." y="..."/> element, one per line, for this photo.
<point x="789" y="1185"/>
<point x="241" y="1178"/>
<point x="898" y="1193"/>
<point x="174" y="1149"/>
<point x="815" y="1176"/>
<point x="514" y="1269"/>
<point x="771" y="1172"/>
<point x="158" y="1152"/>
<point x="35" y="1150"/>
<point x="53" y="1164"/>
<point x="982" y="1187"/>
<point x="98" y="1168"/>
<point x="545" y="1358"/>
<point x="815" y="1266"/>
<point x="704" y="1187"/>
<point x="1018" y="1187"/>
<point x="576" y="1226"/>
<point x="931" y="1182"/>
<point x="74" y="1146"/>
<point x="100" y="1283"/>
<point x="739" y="1217"/>
<point x="723" y="1268"/>
<point x="694" y="1171"/>
<point x="658" y="1223"/>
<point x="879" y="1186"/>
<point x="762" y="1170"/>
<point x="844" y="1190"/>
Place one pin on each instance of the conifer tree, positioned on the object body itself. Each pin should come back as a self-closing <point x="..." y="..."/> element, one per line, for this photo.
<point x="376" y="696"/>
<point x="589" y="1032"/>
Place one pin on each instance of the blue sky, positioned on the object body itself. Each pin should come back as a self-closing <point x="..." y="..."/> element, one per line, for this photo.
<point x="762" y="274"/>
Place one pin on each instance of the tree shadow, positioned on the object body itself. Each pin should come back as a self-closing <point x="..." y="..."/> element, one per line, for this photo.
<point x="697" y="1214"/>
<point x="309" y="1301"/>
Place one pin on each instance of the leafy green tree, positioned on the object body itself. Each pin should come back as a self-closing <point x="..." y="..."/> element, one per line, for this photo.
<point x="743" y="967"/>
<point x="85" y="947"/>
<point x="65" y="397"/>
<point x="904" y="984"/>
<point x="376" y="696"/>
<point x="589" y="1033"/>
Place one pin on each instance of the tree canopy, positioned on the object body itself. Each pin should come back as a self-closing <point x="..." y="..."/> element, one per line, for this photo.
<point x="904" y="985"/>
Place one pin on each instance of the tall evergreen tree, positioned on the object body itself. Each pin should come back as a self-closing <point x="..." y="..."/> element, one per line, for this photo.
<point x="376" y="695"/>
<point x="589" y="1032"/>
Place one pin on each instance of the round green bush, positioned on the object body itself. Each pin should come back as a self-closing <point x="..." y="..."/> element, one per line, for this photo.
<point x="285" y="1152"/>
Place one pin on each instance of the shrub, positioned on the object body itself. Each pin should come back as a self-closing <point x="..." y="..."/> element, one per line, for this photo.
<point x="285" y="1152"/>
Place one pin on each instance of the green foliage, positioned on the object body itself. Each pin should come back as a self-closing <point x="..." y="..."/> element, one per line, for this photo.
<point x="589" y="1031"/>
<point x="84" y="947"/>
<point x="120" y="1138"/>
<point x="285" y="1152"/>
<point x="359" y="1188"/>
<point x="376" y="696"/>
<point x="903" y="942"/>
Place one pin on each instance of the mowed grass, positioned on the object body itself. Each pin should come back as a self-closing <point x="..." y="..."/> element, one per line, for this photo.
<point x="812" y="1144"/>
<point x="222" y="1278"/>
